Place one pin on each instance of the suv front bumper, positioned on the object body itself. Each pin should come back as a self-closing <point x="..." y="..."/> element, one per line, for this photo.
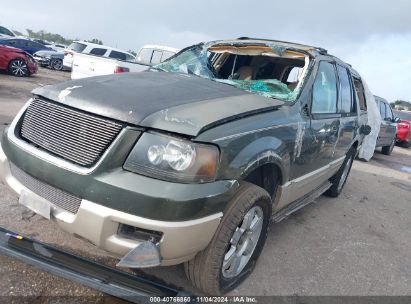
<point x="180" y="240"/>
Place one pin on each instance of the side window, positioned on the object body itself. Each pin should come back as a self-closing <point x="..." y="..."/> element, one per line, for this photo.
<point x="346" y="104"/>
<point x="144" y="56"/>
<point x="388" y="113"/>
<point x="166" y="55"/>
<point x="34" y="45"/>
<point x="382" y="109"/>
<point x="98" y="51"/>
<point x="156" y="58"/>
<point x="117" y="55"/>
<point x="325" y="89"/>
<point x="359" y="89"/>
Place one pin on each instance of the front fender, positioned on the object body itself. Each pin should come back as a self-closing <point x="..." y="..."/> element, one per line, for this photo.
<point x="265" y="150"/>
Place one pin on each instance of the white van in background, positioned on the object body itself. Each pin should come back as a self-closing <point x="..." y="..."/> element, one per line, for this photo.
<point x="153" y="54"/>
<point x="93" y="49"/>
<point x="88" y="65"/>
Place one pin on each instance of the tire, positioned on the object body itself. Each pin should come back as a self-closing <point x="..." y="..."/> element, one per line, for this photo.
<point x="387" y="150"/>
<point x="18" y="67"/>
<point x="207" y="271"/>
<point x="56" y="64"/>
<point x="339" y="179"/>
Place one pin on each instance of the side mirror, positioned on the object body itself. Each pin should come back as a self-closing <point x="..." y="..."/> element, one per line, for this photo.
<point x="365" y="129"/>
<point x="396" y="119"/>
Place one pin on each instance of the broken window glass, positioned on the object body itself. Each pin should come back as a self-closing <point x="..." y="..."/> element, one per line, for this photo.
<point x="272" y="71"/>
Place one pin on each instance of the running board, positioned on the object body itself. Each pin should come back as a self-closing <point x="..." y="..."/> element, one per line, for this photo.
<point x="112" y="281"/>
<point x="300" y="203"/>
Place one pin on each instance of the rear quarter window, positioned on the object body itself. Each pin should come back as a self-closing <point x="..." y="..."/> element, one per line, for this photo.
<point x="359" y="89"/>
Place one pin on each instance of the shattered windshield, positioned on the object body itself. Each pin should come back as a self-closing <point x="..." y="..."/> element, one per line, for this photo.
<point x="268" y="70"/>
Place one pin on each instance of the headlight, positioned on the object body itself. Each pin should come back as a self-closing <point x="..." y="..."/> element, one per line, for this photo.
<point x="173" y="159"/>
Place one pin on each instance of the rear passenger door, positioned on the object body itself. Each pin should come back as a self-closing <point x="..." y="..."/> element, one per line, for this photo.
<point x="389" y="124"/>
<point x="348" y="111"/>
<point x="382" y="135"/>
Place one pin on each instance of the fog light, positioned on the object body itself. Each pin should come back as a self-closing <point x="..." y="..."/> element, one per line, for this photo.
<point x="146" y="254"/>
<point x="135" y="233"/>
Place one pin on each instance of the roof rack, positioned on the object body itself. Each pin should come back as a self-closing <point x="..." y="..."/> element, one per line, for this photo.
<point x="319" y="49"/>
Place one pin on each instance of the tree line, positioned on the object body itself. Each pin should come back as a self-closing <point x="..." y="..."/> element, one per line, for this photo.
<point x="51" y="37"/>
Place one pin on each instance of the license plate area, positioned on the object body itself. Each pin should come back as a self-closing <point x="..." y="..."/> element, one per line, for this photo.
<point x="35" y="203"/>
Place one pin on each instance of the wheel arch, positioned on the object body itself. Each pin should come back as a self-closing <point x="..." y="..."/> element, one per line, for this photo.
<point x="267" y="176"/>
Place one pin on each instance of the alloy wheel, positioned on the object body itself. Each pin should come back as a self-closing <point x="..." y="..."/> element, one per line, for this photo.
<point x="19" y="67"/>
<point x="243" y="243"/>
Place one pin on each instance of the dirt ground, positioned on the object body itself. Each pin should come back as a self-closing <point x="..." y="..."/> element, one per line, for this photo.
<point x="357" y="244"/>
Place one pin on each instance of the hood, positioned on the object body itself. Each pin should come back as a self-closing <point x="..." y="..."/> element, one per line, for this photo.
<point x="173" y="102"/>
<point x="49" y="54"/>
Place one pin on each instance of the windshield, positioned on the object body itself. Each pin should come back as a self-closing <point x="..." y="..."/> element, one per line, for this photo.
<point x="5" y="31"/>
<point x="77" y="47"/>
<point x="267" y="70"/>
<point x="191" y="61"/>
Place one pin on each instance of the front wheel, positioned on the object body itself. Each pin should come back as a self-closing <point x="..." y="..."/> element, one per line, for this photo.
<point x="56" y="64"/>
<point x="339" y="179"/>
<point x="18" y="67"/>
<point x="406" y="144"/>
<point x="232" y="253"/>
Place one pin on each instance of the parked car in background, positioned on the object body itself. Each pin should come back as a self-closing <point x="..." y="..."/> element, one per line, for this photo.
<point x="189" y="161"/>
<point x="5" y="32"/>
<point x="58" y="47"/>
<point x="17" y="62"/>
<point x="51" y="59"/>
<point x="26" y="45"/>
<point x="87" y="65"/>
<point x="154" y="54"/>
<point x="93" y="49"/>
<point x="404" y="128"/>
<point x="387" y="137"/>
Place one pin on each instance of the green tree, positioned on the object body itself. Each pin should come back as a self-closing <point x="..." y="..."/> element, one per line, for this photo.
<point x="132" y="52"/>
<point x="96" y="41"/>
<point x="18" y="33"/>
<point x="43" y="35"/>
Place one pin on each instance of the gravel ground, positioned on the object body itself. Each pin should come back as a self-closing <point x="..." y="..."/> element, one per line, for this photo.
<point x="357" y="244"/>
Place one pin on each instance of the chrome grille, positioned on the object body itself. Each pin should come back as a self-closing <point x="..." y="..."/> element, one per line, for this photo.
<point x="71" y="134"/>
<point x="60" y="198"/>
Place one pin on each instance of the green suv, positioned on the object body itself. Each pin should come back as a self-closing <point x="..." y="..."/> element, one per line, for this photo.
<point x="188" y="162"/>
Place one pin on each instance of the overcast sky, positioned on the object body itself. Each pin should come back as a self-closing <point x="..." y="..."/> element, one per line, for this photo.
<point x="373" y="35"/>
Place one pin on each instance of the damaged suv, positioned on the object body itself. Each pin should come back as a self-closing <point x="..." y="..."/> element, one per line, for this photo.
<point x="189" y="162"/>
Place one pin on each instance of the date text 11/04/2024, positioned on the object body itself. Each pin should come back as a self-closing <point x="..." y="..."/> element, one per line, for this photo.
<point x="187" y="299"/>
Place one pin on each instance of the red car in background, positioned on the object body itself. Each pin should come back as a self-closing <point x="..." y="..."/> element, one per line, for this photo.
<point x="404" y="128"/>
<point x="17" y="62"/>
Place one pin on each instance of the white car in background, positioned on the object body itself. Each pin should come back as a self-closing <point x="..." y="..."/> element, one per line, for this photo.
<point x="93" y="49"/>
<point x="5" y="32"/>
<point x="154" y="54"/>
<point x="88" y="65"/>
